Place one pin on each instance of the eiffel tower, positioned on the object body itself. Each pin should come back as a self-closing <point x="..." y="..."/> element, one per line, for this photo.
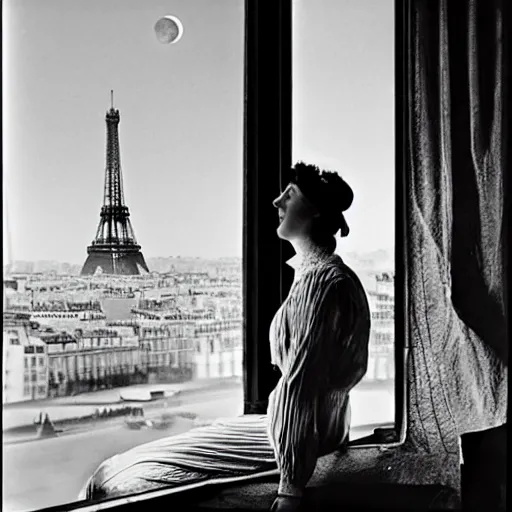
<point x="114" y="250"/>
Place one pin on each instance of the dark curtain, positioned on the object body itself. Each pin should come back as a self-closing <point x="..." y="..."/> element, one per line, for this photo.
<point x="456" y="118"/>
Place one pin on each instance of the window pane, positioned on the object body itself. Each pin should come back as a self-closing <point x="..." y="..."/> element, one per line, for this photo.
<point x="343" y="120"/>
<point x="176" y="328"/>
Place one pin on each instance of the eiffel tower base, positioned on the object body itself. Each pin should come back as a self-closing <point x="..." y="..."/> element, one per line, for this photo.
<point x="122" y="263"/>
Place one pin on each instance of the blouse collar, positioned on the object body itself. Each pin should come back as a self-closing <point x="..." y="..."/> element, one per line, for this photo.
<point x="303" y="263"/>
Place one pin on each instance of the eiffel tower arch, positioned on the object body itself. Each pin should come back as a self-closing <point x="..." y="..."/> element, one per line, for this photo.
<point x="114" y="250"/>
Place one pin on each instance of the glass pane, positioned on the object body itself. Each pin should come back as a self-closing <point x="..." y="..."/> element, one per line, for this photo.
<point x="343" y="120"/>
<point x="85" y="347"/>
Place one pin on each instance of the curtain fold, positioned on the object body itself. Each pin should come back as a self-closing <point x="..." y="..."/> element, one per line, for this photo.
<point x="457" y="81"/>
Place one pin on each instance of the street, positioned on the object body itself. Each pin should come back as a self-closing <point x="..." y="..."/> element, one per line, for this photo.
<point x="52" y="471"/>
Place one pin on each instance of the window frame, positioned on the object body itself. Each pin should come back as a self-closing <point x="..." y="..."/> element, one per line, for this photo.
<point x="267" y="156"/>
<point x="401" y="309"/>
<point x="266" y="277"/>
<point x="268" y="144"/>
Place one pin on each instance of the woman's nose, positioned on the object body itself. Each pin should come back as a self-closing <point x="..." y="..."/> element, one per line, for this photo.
<point x="277" y="201"/>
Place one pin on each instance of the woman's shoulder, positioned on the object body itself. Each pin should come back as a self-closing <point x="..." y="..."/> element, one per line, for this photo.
<point x="335" y="272"/>
<point x="330" y="271"/>
<point x="333" y="266"/>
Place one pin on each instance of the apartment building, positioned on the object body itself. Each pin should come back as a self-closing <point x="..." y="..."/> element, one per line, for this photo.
<point x="88" y="360"/>
<point x="166" y="348"/>
<point x="218" y="348"/>
<point x="25" y="360"/>
<point x="381" y="357"/>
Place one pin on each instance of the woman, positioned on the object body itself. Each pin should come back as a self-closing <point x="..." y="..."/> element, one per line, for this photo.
<point x="319" y="342"/>
<point x="319" y="337"/>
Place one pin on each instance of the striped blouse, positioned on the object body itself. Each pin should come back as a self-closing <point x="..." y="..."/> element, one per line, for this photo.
<point x="319" y="341"/>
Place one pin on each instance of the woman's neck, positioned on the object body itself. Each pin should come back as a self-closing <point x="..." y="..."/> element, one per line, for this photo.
<point x="308" y="255"/>
<point x="306" y="248"/>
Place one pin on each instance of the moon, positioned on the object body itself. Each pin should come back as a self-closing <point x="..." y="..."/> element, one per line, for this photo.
<point x="168" y="29"/>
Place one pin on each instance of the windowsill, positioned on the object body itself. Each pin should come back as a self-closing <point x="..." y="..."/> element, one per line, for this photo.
<point x="364" y="478"/>
<point x="368" y="435"/>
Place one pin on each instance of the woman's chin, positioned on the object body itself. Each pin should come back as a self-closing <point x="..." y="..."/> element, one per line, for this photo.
<point x="280" y="234"/>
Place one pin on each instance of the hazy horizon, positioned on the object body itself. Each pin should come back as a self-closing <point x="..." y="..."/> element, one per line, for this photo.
<point x="181" y="129"/>
<point x="184" y="256"/>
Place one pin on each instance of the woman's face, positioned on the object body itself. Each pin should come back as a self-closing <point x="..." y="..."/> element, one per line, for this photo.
<point x="296" y="213"/>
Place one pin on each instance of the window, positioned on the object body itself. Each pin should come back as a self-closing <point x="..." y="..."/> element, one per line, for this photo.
<point x="259" y="260"/>
<point x="343" y="120"/>
<point x="190" y="93"/>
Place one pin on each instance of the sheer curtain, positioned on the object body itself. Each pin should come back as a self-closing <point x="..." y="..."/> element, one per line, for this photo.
<point x="456" y="138"/>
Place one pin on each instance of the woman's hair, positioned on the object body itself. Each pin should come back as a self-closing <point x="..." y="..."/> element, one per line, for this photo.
<point x="330" y="194"/>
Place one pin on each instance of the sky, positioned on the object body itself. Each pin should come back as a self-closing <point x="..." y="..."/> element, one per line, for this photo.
<point x="181" y="129"/>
